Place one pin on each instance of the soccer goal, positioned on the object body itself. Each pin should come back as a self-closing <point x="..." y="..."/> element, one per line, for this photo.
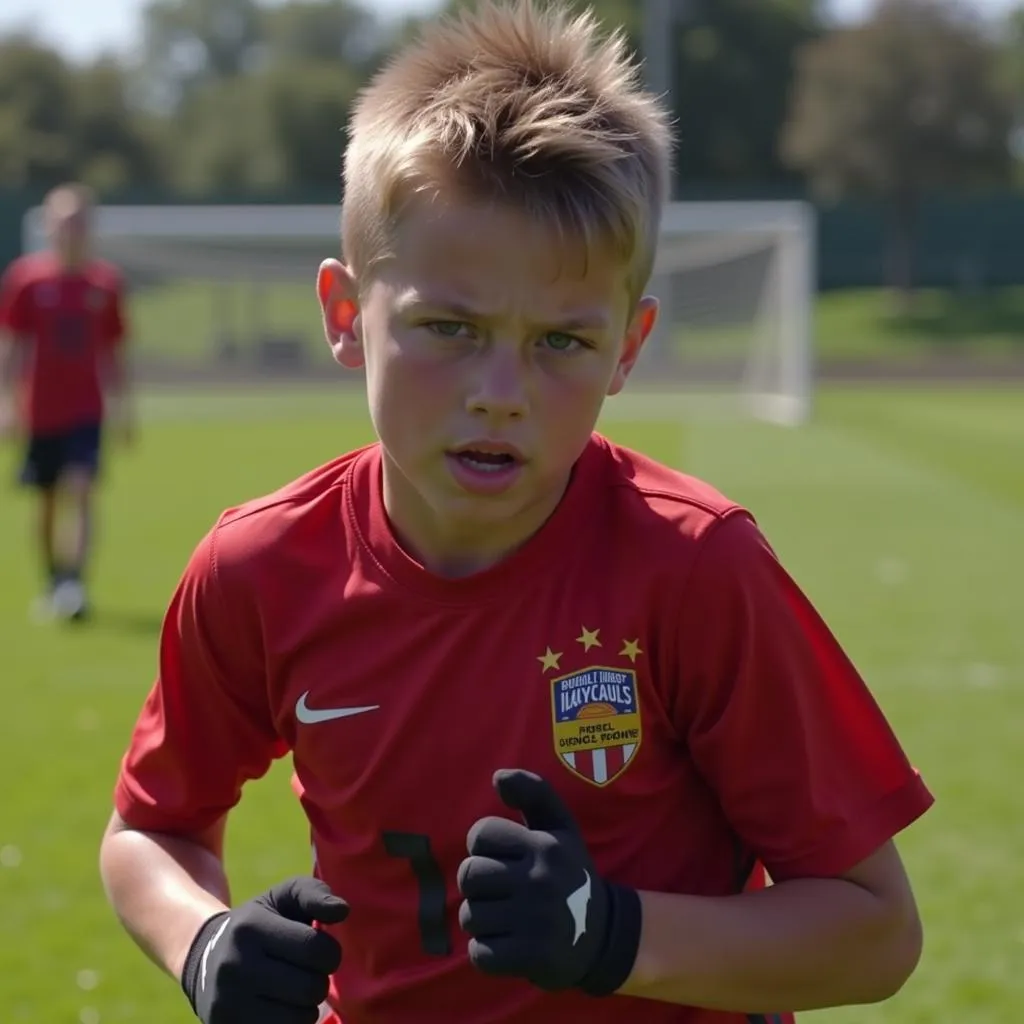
<point x="226" y="292"/>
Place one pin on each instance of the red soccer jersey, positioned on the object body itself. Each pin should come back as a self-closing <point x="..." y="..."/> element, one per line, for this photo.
<point x="68" y="319"/>
<point x="644" y="651"/>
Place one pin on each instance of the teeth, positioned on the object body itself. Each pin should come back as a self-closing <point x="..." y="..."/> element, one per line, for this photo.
<point x="486" y="467"/>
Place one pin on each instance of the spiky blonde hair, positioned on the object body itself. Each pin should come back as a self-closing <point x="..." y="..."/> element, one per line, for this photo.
<point x="517" y="103"/>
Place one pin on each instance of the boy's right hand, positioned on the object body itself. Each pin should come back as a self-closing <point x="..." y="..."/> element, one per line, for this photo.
<point x="263" y="961"/>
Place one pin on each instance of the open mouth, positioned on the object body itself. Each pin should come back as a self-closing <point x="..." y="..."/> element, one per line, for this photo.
<point x="486" y="462"/>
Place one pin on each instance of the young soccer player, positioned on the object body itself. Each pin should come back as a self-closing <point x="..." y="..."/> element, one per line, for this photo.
<point x="554" y="709"/>
<point x="62" y="326"/>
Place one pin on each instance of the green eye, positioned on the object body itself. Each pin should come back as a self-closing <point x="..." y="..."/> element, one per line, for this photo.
<point x="446" y="328"/>
<point x="559" y="342"/>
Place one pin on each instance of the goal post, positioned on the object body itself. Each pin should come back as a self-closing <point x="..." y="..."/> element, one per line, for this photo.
<point x="227" y="292"/>
<point x="737" y="284"/>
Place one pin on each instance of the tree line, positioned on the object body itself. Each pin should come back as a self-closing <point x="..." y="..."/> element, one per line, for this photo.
<point x="244" y="96"/>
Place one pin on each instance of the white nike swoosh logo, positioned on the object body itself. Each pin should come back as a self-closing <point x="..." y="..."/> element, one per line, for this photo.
<point x="209" y="949"/>
<point x="311" y="716"/>
<point x="578" y="901"/>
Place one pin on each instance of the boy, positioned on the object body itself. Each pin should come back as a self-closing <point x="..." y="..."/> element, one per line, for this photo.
<point x="554" y="709"/>
<point x="62" y="328"/>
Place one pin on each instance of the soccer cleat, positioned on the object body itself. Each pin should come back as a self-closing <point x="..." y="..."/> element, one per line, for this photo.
<point x="68" y="600"/>
<point x="41" y="610"/>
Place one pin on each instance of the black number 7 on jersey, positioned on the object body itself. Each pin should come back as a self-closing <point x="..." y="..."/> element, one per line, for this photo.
<point x="432" y="915"/>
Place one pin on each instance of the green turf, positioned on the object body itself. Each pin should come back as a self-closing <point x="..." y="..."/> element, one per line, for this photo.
<point x="902" y="514"/>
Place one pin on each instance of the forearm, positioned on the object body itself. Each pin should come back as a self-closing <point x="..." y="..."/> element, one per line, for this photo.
<point x="162" y="889"/>
<point x="10" y="363"/>
<point x="117" y="382"/>
<point x="800" y="945"/>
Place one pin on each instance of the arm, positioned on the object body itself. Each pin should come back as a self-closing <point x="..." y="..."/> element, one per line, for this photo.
<point x="12" y="365"/>
<point x="804" y="944"/>
<point x="203" y="731"/>
<point x="114" y="370"/>
<point x="163" y="887"/>
<point x="813" y="782"/>
<point x="12" y="360"/>
<point x="116" y="380"/>
<point x="13" y="314"/>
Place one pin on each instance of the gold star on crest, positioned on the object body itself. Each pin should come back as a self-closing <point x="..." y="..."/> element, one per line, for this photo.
<point x="588" y="638"/>
<point x="630" y="649"/>
<point x="549" y="659"/>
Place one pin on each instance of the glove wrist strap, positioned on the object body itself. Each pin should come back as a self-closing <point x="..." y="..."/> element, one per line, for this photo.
<point x="193" y="961"/>
<point x="615" y="961"/>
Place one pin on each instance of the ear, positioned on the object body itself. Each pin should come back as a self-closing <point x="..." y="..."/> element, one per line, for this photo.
<point x="338" y="294"/>
<point x="644" y="318"/>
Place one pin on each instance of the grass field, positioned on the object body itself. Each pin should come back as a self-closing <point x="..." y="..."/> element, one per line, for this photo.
<point x="902" y="514"/>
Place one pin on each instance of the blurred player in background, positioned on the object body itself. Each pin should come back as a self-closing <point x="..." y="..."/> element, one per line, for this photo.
<point x="62" y="330"/>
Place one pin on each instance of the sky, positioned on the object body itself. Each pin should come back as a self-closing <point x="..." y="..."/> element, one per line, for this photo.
<point x="85" y="28"/>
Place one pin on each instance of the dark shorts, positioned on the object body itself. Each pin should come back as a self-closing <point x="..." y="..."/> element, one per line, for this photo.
<point x="50" y="455"/>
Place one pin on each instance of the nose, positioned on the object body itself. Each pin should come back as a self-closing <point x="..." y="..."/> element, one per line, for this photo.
<point x="499" y="387"/>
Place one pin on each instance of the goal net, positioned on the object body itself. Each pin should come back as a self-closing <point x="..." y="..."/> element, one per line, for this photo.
<point x="226" y="293"/>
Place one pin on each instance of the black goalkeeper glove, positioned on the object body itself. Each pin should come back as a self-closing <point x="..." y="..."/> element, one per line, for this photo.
<point x="533" y="904"/>
<point x="262" y="962"/>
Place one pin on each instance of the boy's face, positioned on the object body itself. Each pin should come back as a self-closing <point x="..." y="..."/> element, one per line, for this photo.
<point x="489" y="345"/>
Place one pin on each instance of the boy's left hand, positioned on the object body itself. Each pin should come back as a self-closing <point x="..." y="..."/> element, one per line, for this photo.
<point x="533" y="904"/>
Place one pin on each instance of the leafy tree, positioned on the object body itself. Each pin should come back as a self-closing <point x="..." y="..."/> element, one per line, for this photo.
<point x="907" y="101"/>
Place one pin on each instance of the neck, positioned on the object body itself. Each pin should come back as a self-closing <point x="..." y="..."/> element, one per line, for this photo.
<point x="70" y="260"/>
<point x="457" y="549"/>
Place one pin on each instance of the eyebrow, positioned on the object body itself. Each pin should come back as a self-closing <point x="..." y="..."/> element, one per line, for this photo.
<point x="590" y="320"/>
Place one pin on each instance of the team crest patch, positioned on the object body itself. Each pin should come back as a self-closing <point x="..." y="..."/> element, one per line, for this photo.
<point x="596" y="718"/>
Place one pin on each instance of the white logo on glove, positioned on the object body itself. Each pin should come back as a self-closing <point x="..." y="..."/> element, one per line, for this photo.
<point x="209" y="949"/>
<point x="577" y="902"/>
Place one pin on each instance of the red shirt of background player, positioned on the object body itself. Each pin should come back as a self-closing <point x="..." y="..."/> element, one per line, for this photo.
<point x="68" y="319"/>
<point x="645" y="652"/>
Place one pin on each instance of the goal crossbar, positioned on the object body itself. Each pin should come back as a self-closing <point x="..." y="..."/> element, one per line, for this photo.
<point x="713" y="259"/>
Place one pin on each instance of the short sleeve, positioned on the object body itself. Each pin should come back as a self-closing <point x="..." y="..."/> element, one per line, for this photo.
<point x="15" y="309"/>
<point x="206" y="726"/>
<point x="777" y="719"/>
